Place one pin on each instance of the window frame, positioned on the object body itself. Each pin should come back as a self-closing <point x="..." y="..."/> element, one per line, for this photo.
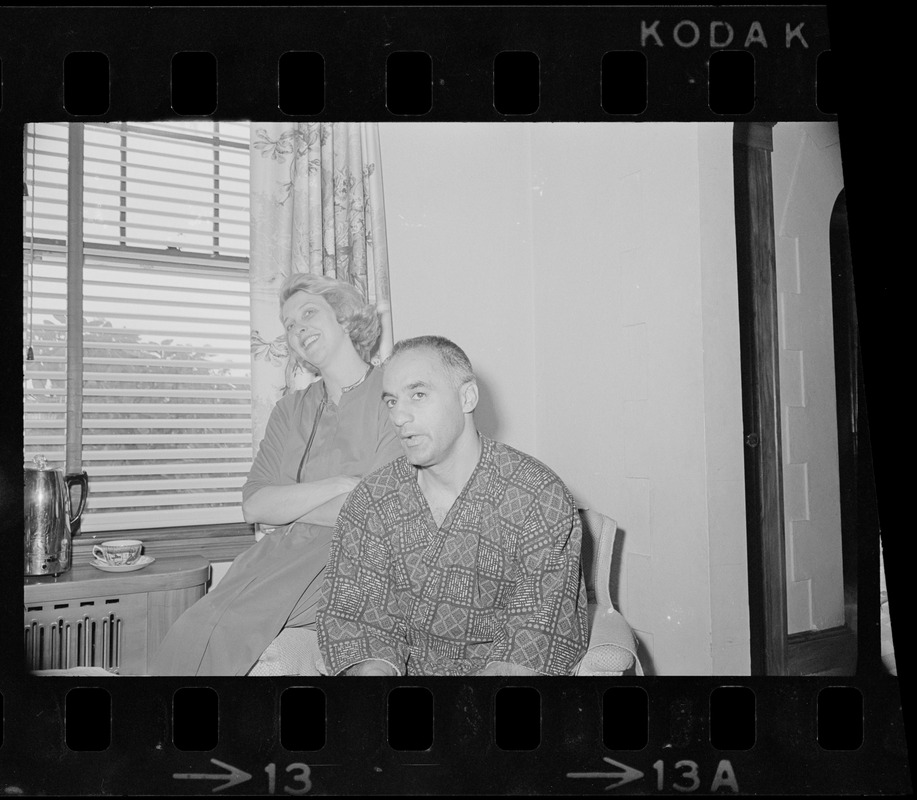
<point x="218" y="541"/>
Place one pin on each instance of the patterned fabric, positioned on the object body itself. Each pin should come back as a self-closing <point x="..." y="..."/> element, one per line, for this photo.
<point x="499" y="580"/>
<point x="316" y="206"/>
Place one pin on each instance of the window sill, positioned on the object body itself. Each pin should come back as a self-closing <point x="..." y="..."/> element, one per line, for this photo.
<point x="213" y="542"/>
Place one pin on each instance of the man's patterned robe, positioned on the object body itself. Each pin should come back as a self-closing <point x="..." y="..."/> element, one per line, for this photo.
<point x="499" y="580"/>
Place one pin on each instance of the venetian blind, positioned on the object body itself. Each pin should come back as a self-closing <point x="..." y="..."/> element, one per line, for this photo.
<point x="166" y="402"/>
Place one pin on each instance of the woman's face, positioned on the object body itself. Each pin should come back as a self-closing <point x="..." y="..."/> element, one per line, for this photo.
<point x="313" y="333"/>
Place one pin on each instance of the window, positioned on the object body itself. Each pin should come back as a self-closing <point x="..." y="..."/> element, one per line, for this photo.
<point x="150" y="391"/>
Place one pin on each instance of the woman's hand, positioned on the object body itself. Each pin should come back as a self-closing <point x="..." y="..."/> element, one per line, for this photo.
<point x="348" y="483"/>
<point x="318" y="502"/>
<point x="327" y="513"/>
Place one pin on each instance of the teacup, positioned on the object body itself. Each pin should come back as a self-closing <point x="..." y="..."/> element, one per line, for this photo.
<point x="118" y="552"/>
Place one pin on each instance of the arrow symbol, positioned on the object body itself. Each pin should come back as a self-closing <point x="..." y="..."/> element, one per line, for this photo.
<point x="233" y="777"/>
<point x="619" y="778"/>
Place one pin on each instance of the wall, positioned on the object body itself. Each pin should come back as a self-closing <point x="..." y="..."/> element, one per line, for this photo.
<point x="459" y="232"/>
<point x="635" y="264"/>
<point x="807" y="180"/>
<point x="589" y="271"/>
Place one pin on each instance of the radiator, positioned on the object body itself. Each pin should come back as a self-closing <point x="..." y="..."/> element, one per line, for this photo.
<point x="87" y="618"/>
<point x="74" y="634"/>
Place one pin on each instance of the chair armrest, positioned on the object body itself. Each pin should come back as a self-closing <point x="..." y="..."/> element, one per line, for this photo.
<point x="612" y="645"/>
<point x="605" y="659"/>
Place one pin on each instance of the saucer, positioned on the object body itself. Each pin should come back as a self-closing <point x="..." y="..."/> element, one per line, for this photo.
<point x="140" y="563"/>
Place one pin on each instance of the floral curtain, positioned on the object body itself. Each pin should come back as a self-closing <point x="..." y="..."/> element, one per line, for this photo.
<point x="316" y="206"/>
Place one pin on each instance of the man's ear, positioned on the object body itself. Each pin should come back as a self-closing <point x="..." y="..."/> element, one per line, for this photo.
<point x="469" y="395"/>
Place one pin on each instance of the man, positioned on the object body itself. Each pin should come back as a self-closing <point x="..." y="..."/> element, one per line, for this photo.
<point x="462" y="557"/>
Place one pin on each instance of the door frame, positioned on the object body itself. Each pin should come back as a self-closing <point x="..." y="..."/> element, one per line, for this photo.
<point x="773" y="651"/>
<point x="759" y="347"/>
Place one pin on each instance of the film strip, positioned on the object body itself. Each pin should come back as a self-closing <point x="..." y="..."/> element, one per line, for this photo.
<point x="748" y="731"/>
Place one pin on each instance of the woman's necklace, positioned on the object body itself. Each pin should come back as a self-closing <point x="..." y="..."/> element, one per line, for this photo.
<point x="346" y="389"/>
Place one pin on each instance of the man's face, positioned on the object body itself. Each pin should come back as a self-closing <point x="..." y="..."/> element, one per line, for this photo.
<point x="313" y="332"/>
<point x="426" y="408"/>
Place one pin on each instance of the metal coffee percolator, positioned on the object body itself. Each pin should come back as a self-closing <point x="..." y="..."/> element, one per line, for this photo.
<point x="48" y="518"/>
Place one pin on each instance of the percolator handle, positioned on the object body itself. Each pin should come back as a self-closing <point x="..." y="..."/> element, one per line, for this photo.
<point x="83" y="480"/>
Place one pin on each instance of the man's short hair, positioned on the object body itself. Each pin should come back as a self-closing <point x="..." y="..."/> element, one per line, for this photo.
<point x="457" y="364"/>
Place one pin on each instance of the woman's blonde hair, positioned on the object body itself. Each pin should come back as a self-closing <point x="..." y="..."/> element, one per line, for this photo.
<point x="357" y="317"/>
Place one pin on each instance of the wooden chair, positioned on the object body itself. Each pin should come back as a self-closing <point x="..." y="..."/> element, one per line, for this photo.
<point x="612" y="645"/>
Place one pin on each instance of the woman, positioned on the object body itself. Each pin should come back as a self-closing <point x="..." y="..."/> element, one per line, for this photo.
<point x="319" y="442"/>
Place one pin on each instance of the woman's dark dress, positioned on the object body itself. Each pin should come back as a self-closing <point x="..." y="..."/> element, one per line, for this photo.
<point x="277" y="582"/>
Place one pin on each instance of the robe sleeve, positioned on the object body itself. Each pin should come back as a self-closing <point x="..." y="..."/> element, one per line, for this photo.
<point x="267" y="469"/>
<point x="544" y="625"/>
<point x="353" y="620"/>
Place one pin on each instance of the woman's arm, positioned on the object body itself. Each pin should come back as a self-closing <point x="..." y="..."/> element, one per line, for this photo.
<point x="270" y="495"/>
<point x="318" y="502"/>
<point x="327" y="513"/>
